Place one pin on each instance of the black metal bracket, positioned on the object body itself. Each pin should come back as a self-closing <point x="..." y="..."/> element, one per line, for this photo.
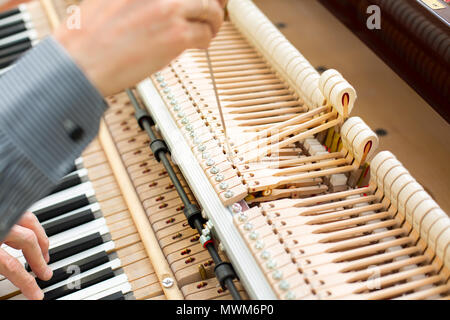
<point x="223" y="270"/>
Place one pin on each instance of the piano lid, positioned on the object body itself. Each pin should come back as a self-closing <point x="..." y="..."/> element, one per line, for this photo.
<point x="413" y="39"/>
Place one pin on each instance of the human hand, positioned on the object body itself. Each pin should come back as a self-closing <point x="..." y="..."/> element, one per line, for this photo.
<point x="29" y="236"/>
<point x="121" y="42"/>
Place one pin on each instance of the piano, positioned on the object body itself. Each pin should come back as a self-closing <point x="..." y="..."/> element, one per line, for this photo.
<point x="288" y="198"/>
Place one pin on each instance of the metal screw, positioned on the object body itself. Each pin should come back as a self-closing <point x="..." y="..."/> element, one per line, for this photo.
<point x="168" y="282"/>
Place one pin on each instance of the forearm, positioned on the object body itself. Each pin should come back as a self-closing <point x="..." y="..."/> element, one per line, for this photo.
<point x="49" y="112"/>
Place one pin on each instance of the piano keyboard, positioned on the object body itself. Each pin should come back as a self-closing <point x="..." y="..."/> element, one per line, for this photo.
<point x="93" y="239"/>
<point x="23" y="27"/>
<point x="20" y="29"/>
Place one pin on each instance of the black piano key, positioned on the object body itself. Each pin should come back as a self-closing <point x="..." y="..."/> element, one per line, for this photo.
<point x="115" y="296"/>
<point x="64" y="273"/>
<point x="20" y="47"/>
<point x="70" y="180"/>
<point x="15" y="42"/>
<point x="69" y="222"/>
<point x="85" y="282"/>
<point x="9" y="60"/>
<point x="61" y="207"/>
<point x="6" y="14"/>
<point x="12" y="29"/>
<point x="74" y="247"/>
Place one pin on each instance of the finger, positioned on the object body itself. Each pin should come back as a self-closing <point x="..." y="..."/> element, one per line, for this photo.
<point x="30" y="221"/>
<point x="26" y="240"/>
<point x="223" y="3"/>
<point x="198" y="35"/>
<point x="211" y="13"/>
<point x="13" y="270"/>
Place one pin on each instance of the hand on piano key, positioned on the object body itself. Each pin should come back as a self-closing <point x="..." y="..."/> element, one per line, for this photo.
<point x="29" y="236"/>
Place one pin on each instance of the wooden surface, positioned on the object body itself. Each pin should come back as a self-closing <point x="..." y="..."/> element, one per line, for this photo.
<point x="416" y="134"/>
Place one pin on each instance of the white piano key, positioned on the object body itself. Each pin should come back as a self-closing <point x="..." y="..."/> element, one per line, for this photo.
<point x="123" y="287"/>
<point x="97" y="225"/>
<point x="79" y="163"/>
<point x="73" y="192"/>
<point x="95" y="207"/>
<point x="105" y="247"/>
<point x="97" y="288"/>
<point x="7" y="288"/>
<point x="114" y="264"/>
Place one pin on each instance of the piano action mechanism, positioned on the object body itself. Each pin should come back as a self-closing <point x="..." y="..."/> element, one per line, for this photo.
<point x="304" y="207"/>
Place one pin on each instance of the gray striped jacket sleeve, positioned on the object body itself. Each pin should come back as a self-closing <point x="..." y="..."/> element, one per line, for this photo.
<point x="44" y="99"/>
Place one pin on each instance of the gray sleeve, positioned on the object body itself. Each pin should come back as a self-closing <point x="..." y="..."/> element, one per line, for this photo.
<point x="49" y="112"/>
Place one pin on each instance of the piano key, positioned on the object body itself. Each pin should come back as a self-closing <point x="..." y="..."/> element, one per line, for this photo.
<point x="96" y="226"/>
<point x="95" y="289"/>
<point x="61" y="196"/>
<point x="72" y="219"/>
<point x="14" y="28"/>
<point x="115" y="296"/>
<point x="85" y="260"/>
<point x="82" y="281"/>
<point x="74" y="247"/>
<point x="72" y="179"/>
<point x="9" y="60"/>
<point x="63" y="201"/>
<point x="105" y="247"/>
<point x="86" y="279"/>
<point x="89" y="235"/>
<point x="114" y="293"/>
<point x="9" y="13"/>
<point x="12" y="40"/>
<point x="19" y="47"/>
<point x="15" y="14"/>
<point x="83" y="265"/>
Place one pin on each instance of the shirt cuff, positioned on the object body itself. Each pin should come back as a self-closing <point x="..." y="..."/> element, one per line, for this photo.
<point x="49" y="109"/>
<point x="49" y="112"/>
